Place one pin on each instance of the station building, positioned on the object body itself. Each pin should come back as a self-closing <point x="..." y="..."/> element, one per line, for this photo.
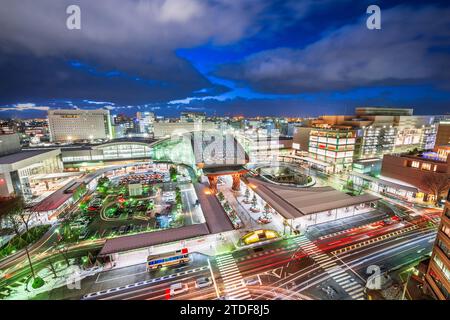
<point x="300" y="208"/>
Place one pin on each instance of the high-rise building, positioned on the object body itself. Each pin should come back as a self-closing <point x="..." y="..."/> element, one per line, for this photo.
<point x="75" y="125"/>
<point x="145" y="120"/>
<point x="333" y="145"/>
<point x="383" y="131"/>
<point x="437" y="278"/>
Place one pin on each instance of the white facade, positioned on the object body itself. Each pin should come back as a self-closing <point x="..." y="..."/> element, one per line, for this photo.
<point x="73" y="125"/>
<point x="15" y="175"/>
<point x="335" y="147"/>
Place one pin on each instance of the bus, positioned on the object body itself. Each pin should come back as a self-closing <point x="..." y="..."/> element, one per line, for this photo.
<point x="169" y="259"/>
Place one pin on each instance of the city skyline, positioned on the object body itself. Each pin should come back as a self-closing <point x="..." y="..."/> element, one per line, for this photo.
<point x="283" y="58"/>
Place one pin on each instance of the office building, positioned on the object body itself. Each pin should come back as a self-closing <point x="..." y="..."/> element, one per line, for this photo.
<point x="76" y="125"/>
<point x="333" y="145"/>
<point x="381" y="131"/>
<point x="145" y="121"/>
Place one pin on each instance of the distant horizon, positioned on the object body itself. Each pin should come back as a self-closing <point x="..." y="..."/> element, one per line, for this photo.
<point x="29" y="112"/>
<point x="294" y="58"/>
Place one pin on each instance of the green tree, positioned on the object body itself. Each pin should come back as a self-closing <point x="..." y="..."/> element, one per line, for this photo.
<point x="350" y="184"/>
<point x="436" y="184"/>
<point x="16" y="215"/>
<point x="267" y="210"/>
<point x="254" y="201"/>
<point x="173" y="173"/>
<point x="247" y="195"/>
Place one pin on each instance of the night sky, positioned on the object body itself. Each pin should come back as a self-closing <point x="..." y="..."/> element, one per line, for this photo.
<point x="224" y="57"/>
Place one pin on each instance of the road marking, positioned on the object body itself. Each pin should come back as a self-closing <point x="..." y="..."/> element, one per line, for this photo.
<point x="359" y="295"/>
<point x="373" y="240"/>
<point x="341" y="277"/>
<point x="213" y="279"/>
<point x="353" y="287"/>
<point x="327" y="264"/>
<point x="141" y="283"/>
<point x="323" y="258"/>
<point x="232" y="278"/>
<point x="228" y="268"/>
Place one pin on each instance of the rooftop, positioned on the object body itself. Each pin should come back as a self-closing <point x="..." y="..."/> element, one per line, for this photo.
<point x="149" y="239"/>
<point x="22" y="155"/>
<point x="293" y="202"/>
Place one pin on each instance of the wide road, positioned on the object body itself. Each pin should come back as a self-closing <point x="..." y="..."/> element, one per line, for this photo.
<point x="316" y="266"/>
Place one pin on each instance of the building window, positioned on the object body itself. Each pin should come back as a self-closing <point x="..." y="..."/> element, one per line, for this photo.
<point x="415" y="164"/>
<point x="446" y="230"/>
<point x="426" y="166"/>
<point x="444" y="248"/>
<point x="440" y="285"/>
<point x="447" y="212"/>
<point x="442" y="267"/>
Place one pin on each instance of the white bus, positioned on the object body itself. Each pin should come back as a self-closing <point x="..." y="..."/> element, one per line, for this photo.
<point x="168" y="259"/>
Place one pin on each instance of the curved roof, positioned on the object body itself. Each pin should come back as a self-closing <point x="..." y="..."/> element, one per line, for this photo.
<point x="293" y="203"/>
<point x="141" y="141"/>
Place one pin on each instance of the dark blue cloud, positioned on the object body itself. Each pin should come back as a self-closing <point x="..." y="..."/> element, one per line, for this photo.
<point x="291" y="57"/>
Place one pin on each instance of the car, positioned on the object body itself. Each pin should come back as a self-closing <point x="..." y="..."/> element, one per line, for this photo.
<point x="122" y="229"/>
<point x="203" y="282"/>
<point x="252" y="281"/>
<point x="263" y="220"/>
<point x="178" y="288"/>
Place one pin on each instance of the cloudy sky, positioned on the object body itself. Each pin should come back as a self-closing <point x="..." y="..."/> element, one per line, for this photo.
<point x="224" y="57"/>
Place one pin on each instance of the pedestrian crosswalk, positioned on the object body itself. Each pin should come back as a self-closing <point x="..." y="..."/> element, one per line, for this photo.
<point x="336" y="272"/>
<point x="234" y="285"/>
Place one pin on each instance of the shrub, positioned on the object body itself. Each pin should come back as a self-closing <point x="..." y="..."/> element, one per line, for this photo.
<point x="38" y="282"/>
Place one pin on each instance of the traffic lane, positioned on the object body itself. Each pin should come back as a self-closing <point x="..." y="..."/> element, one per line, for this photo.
<point x="308" y="282"/>
<point x="130" y="275"/>
<point x="325" y="229"/>
<point x="332" y="244"/>
<point x="423" y="237"/>
<point x="156" y="290"/>
<point x="347" y="265"/>
<point x="161" y="290"/>
<point x="285" y="258"/>
<point x="394" y="256"/>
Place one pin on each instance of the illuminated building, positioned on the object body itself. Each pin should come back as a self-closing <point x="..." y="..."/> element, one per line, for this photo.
<point x="17" y="167"/>
<point x="333" y="145"/>
<point x="75" y="125"/>
<point x="414" y="169"/>
<point x="437" y="278"/>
